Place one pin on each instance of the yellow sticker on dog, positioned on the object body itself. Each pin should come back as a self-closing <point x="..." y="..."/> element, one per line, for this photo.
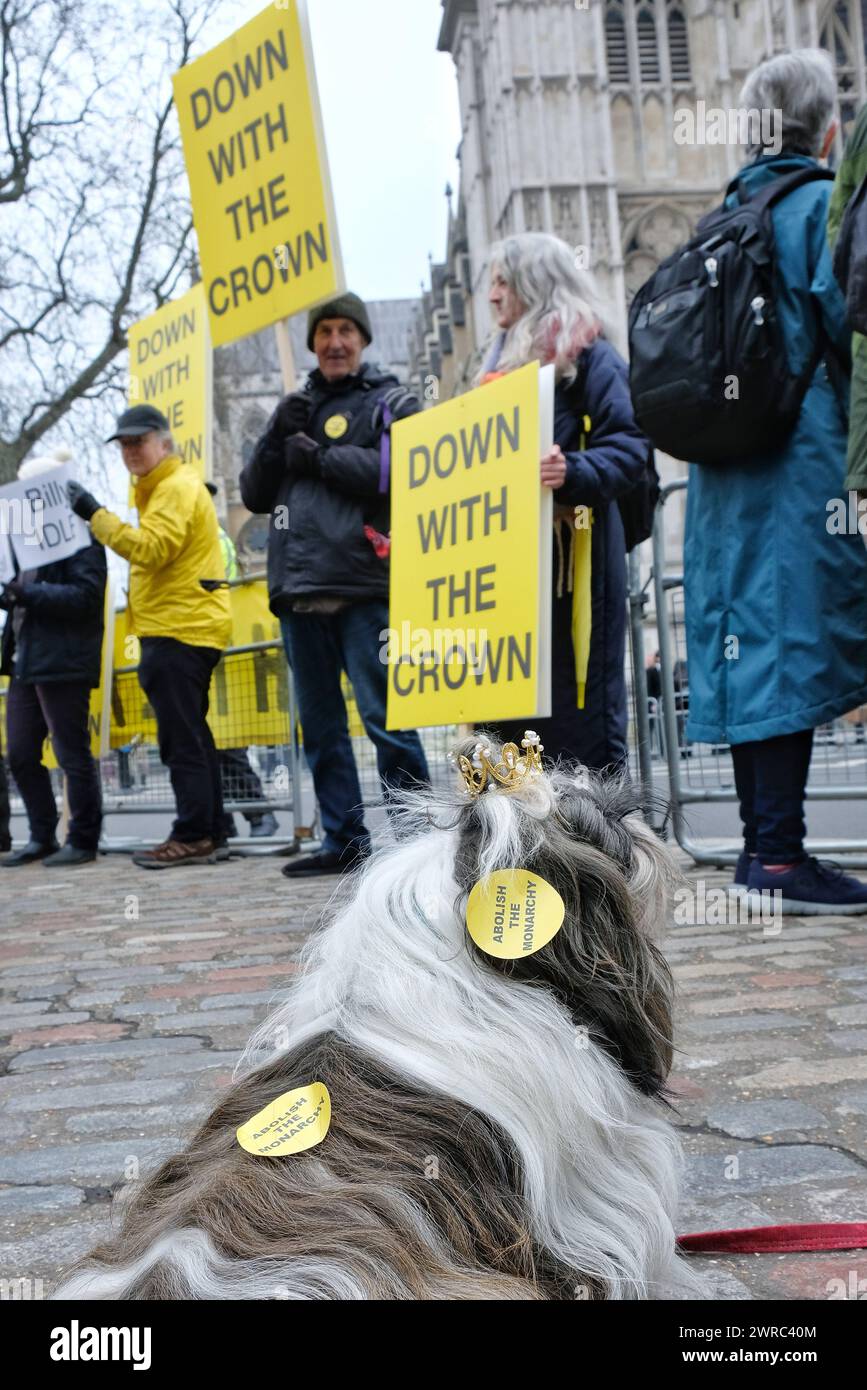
<point x="512" y="913"/>
<point x="293" y="1122"/>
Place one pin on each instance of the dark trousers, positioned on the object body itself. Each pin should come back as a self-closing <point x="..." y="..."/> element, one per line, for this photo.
<point x="176" y="678"/>
<point x="770" y="776"/>
<point x="60" y="709"/>
<point x="318" y="648"/>
<point x="595" y="736"/>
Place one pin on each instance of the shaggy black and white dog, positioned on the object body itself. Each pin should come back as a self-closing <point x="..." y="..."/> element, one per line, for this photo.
<point x="498" y="1128"/>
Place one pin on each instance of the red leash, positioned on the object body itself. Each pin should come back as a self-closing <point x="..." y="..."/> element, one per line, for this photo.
<point x="770" y="1240"/>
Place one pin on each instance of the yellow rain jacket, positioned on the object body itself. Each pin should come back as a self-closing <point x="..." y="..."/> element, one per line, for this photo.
<point x="176" y="543"/>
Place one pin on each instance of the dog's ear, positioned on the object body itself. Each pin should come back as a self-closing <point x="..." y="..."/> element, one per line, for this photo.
<point x="601" y="965"/>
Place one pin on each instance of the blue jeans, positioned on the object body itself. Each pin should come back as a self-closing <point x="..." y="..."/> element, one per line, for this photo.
<point x="318" y="647"/>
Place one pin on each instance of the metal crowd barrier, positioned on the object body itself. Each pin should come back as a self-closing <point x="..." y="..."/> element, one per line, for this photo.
<point x="698" y="773"/>
<point x="250" y="685"/>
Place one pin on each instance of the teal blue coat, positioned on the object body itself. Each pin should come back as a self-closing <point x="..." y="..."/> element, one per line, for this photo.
<point x="776" y="605"/>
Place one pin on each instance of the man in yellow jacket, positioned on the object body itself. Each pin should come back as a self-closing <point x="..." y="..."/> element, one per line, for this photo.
<point x="179" y="609"/>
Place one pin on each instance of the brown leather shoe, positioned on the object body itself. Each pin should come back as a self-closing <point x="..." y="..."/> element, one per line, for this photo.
<point x="173" y="853"/>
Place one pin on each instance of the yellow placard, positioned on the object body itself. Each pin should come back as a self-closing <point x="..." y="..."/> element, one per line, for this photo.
<point x="464" y="638"/>
<point x="255" y="157"/>
<point x="295" y="1121"/>
<point x="513" y="913"/>
<point x="170" y="368"/>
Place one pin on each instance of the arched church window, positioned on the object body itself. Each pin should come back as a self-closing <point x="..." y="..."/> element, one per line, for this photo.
<point x="678" y="45"/>
<point x="615" y="44"/>
<point x="648" y="48"/>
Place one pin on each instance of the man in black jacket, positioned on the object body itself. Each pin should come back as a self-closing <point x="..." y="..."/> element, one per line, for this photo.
<point x="51" y="649"/>
<point x="322" y="470"/>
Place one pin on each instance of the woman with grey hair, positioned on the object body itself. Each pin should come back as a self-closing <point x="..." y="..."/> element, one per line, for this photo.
<point x="547" y="311"/>
<point x="776" y="604"/>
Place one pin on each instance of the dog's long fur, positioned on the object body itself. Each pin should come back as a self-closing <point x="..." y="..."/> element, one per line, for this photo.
<point x="498" y="1127"/>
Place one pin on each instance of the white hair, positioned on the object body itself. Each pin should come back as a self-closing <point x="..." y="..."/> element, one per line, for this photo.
<point x="562" y="310"/>
<point x="31" y="468"/>
<point x="802" y="86"/>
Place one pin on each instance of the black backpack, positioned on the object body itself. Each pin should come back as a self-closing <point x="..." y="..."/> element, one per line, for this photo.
<point x="850" y="258"/>
<point x="638" y="506"/>
<point x="708" y="369"/>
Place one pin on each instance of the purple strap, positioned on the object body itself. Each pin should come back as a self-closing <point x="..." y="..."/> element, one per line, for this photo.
<point x="385" y="451"/>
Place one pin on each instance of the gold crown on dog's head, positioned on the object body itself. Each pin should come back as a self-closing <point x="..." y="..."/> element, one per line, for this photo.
<point x="514" y="767"/>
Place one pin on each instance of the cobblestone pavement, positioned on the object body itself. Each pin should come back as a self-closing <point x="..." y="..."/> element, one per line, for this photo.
<point x="127" y="996"/>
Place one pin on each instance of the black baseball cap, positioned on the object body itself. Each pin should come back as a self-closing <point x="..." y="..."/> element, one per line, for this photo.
<point x="139" y="419"/>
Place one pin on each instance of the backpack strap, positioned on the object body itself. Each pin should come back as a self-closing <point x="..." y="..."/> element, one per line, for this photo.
<point x="777" y="188"/>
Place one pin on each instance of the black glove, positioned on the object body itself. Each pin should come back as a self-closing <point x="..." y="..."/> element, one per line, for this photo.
<point x="303" y="456"/>
<point x="293" y="413"/>
<point x="82" y="502"/>
<point x="13" y="592"/>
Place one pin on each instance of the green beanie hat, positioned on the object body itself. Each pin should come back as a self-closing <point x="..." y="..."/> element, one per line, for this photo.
<point x="346" y="306"/>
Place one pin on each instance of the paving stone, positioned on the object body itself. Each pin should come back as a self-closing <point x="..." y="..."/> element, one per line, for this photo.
<point x="848" y="1039"/>
<point x="807" y="1073"/>
<point x="747" y="1119"/>
<point x="35" y="1019"/>
<point x="46" y="991"/>
<point x="220" y="1001"/>
<point x="39" y="1199"/>
<point x="84" y="1097"/>
<point x="88" y="1164"/>
<point x="716" y="1054"/>
<point x="212" y="1018"/>
<point x="740" y="1003"/>
<point x="188" y="1063"/>
<point x="747" y="1023"/>
<point x="176" y="1119"/>
<point x="776" y="946"/>
<point x="805" y="933"/>
<point x="708" y="969"/>
<point x="849" y="1013"/>
<point x="852" y="1102"/>
<point x="131" y="975"/>
<point x="48" y="1254"/>
<point x="95" y="998"/>
<point x="103" y="1051"/>
<point x="85" y="1032"/>
<point x="145" y="1007"/>
<point x="31" y="1008"/>
<point x="759" y="1169"/>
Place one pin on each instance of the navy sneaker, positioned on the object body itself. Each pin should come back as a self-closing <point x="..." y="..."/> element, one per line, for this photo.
<point x="742" y="874"/>
<point x="811" y="888"/>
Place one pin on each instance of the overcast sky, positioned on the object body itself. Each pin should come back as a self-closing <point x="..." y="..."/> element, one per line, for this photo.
<point x="392" y="126"/>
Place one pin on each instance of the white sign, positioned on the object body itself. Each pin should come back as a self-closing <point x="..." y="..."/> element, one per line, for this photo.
<point x="37" y="518"/>
<point x="7" y="567"/>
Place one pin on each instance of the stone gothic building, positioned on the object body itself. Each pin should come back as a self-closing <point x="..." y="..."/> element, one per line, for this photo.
<point x="569" y="109"/>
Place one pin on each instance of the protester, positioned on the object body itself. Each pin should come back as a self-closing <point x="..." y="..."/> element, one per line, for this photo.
<point x="548" y="311"/>
<point x="179" y="608"/>
<point x="850" y="175"/>
<point x="776" y="607"/>
<point x="239" y="781"/>
<point x="321" y="470"/>
<point x="51" y="650"/>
